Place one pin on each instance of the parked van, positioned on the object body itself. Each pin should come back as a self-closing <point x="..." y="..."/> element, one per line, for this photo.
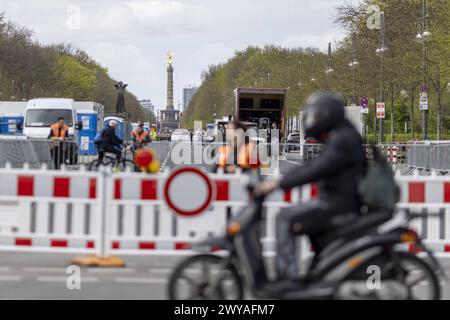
<point x="40" y="114"/>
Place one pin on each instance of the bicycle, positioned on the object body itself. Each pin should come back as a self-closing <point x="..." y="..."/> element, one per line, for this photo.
<point x="109" y="160"/>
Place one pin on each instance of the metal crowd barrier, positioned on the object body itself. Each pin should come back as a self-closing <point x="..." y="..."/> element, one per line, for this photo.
<point x="430" y="155"/>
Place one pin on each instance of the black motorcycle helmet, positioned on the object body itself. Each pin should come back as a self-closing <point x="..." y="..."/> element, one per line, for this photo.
<point x="322" y="113"/>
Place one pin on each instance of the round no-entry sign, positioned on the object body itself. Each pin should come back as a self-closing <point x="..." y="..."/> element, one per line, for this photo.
<point x="188" y="191"/>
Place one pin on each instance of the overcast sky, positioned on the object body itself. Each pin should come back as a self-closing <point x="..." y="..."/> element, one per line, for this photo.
<point x="132" y="38"/>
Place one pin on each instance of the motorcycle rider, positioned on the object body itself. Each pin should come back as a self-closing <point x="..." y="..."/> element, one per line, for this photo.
<point x="337" y="171"/>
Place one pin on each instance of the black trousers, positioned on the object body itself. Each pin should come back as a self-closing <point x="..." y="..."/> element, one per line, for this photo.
<point x="310" y="219"/>
<point x="110" y="149"/>
<point x="57" y="154"/>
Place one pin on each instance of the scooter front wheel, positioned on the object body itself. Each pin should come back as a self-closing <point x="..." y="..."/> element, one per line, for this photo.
<point x="204" y="277"/>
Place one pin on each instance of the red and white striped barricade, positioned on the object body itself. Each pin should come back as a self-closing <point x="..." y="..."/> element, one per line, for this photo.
<point x="50" y="210"/>
<point x="141" y="220"/>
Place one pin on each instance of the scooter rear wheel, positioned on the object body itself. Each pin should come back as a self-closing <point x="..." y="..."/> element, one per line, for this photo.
<point x="404" y="276"/>
<point x="202" y="277"/>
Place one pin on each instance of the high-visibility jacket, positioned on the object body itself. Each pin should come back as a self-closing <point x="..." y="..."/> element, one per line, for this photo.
<point x="247" y="157"/>
<point x="58" y="132"/>
<point x="222" y="156"/>
<point x="142" y="137"/>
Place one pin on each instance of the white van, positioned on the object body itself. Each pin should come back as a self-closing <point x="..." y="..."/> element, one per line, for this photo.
<point x="41" y="113"/>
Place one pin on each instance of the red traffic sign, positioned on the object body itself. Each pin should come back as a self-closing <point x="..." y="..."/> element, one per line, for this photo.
<point x="188" y="191"/>
<point x="381" y="110"/>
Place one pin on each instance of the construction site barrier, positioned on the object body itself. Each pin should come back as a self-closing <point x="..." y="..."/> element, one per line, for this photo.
<point x="105" y="214"/>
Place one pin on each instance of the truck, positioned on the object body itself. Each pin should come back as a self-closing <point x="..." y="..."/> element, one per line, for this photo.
<point x="352" y="113"/>
<point x="263" y="106"/>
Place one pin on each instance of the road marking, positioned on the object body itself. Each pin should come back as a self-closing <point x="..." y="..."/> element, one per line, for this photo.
<point x="110" y="270"/>
<point x="4" y="269"/>
<point x="45" y="269"/>
<point x="64" y="279"/>
<point x="160" y="270"/>
<point x="293" y="162"/>
<point x="164" y="163"/>
<point x="10" y="278"/>
<point x="141" y="280"/>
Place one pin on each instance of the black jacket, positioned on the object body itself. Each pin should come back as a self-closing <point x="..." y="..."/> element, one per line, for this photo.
<point x="110" y="139"/>
<point x="337" y="170"/>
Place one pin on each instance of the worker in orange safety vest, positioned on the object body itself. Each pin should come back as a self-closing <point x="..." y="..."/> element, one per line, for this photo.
<point x="140" y="137"/>
<point x="59" y="131"/>
<point x="239" y="152"/>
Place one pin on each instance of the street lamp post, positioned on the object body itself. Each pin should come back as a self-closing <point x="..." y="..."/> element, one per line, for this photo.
<point x="313" y="68"/>
<point x="300" y="74"/>
<point x="353" y="66"/>
<point x="381" y="51"/>
<point x="330" y="69"/>
<point x="423" y="37"/>
<point x="404" y="95"/>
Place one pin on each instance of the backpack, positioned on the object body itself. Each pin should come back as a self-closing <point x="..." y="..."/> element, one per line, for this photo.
<point x="98" y="138"/>
<point x="378" y="190"/>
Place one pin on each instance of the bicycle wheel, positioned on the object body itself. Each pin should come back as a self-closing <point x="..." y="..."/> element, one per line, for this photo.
<point x="202" y="277"/>
<point x="126" y="164"/>
<point x="95" y="165"/>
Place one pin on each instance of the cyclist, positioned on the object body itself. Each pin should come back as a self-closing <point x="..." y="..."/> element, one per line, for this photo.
<point x="110" y="142"/>
<point x="140" y="137"/>
<point x="337" y="170"/>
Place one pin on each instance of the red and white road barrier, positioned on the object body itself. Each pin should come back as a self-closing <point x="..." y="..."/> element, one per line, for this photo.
<point x="131" y="213"/>
<point x="43" y="210"/>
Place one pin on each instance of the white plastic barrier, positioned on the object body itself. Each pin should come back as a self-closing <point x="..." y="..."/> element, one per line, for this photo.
<point x="45" y="210"/>
<point x="141" y="221"/>
<point x="127" y="213"/>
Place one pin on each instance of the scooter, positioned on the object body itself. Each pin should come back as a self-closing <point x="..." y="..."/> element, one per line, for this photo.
<point x="360" y="259"/>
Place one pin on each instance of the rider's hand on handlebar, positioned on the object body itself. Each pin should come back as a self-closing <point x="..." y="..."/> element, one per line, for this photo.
<point x="267" y="187"/>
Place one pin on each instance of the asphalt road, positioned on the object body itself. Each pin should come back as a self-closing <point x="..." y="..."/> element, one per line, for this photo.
<point x="45" y="276"/>
<point x="176" y="154"/>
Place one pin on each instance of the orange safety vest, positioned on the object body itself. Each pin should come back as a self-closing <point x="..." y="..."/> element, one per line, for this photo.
<point x="246" y="158"/>
<point x="223" y="156"/>
<point x="141" y="137"/>
<point x="57" y="133"/>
